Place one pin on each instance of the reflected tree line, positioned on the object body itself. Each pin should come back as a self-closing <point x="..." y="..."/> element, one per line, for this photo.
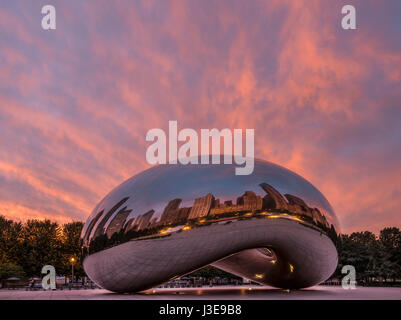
<point x="26" y="247"/>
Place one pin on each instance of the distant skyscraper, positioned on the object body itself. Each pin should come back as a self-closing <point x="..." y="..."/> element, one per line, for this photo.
<point x="201" y="206"/>
<point x="117" y="222"/>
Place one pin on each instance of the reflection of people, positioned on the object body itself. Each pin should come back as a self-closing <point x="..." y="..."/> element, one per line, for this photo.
<point x="31" y="283"/>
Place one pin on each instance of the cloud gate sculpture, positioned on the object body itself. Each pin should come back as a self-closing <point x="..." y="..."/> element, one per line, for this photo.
<point x="272" y="227"/>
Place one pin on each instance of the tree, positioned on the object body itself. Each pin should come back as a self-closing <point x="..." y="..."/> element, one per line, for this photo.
<point x="360" y="250"/>
<point x="71" y="248"/>
<point x="41" y="245"/>
<point x="10" y="240"/>
<point x="390" y="245"/>
<point x="9" y="269"/>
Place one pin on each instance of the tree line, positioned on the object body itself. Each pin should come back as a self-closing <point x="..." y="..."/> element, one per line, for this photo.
<point x="26" y="247"/>
<point x="376" y="259"/>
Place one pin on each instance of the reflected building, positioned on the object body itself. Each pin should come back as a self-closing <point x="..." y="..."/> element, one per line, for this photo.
<point x="298" y="206"/>
<point x="140" y="222"/>
<point x="255" y="230"/>
<point x="201" y="206"/>
<point x="152" y="222"/>
<point x="90" y="226"/>
<point x="100" y="228"/>
<point x="131" y="223"/>
<point x="182" y="214"/>
<point x="250" y="201"/>
<point x="170" y="211"/>
<point x="273" y="199"/>
<point x="173" y="214"/>
<point x="319" y="218"/>
<point x="144" y="221"/>
<point x="117" y="222"/>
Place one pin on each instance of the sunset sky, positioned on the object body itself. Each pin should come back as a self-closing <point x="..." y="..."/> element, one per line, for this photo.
<point x="76" y="103"/>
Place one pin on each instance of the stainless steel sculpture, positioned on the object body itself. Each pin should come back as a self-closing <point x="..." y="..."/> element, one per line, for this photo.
<point x="272" y="227"/>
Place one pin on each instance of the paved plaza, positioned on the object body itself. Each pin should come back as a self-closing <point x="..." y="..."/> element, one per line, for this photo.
<point x="212" y="293"/>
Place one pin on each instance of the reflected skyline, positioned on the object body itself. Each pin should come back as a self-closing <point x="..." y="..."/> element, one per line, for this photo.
<point x="123" y="222"/>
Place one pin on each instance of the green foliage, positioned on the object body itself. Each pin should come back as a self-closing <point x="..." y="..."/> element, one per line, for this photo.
<point x="71" y="248"/>
<point x="8" y="270"/>
<point x="41" y="245"/>
<point x="372" y="257"/>
<point x="36" y="243"/>
<point x="390" y="242"/>
<point x="10" y="239"/>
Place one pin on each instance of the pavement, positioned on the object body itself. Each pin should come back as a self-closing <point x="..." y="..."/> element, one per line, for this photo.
<point x="212" y="293"/>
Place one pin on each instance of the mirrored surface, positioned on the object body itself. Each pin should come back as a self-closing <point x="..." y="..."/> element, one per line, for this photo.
<point x="272" y="226"/>
<point x="174" y="198"/>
